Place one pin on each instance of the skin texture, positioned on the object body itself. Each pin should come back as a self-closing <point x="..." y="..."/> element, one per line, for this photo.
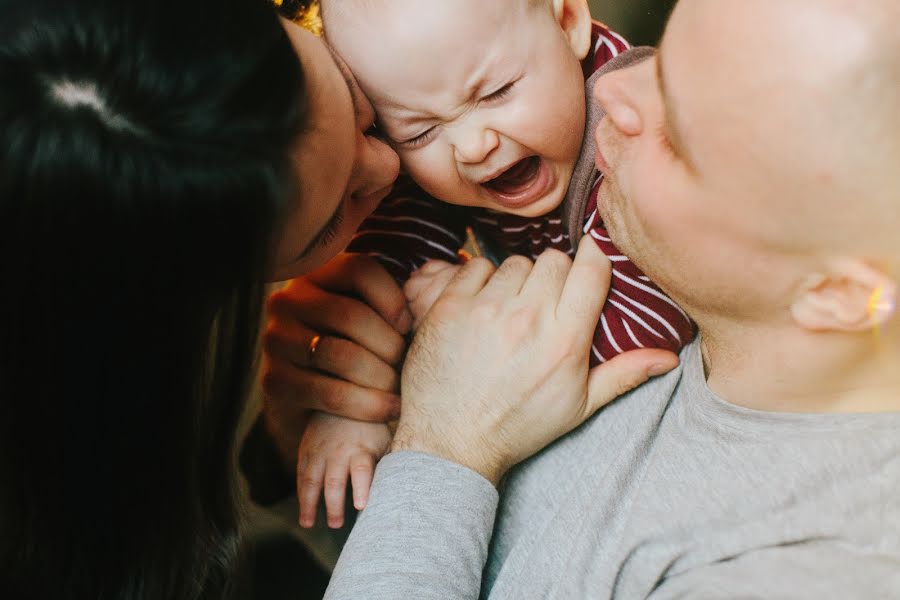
<point x="510" y="345"/>
<point x="463" y="99"/>
<point x="711" y="196"/>
<point x="337" y="164"/>
<point x="714" y="198"/>
<point x="534" y="47"/>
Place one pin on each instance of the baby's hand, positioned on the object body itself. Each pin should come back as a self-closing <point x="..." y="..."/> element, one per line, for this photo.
<point x="333" y="447"/>
<point x="425" y="286"/>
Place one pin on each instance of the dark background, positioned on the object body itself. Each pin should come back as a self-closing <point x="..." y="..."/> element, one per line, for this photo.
<point x="640" y="21"/>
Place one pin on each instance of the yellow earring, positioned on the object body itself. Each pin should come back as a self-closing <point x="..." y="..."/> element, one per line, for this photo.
<point x="882" y="304"/>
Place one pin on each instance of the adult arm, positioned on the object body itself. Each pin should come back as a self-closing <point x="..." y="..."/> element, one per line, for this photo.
<point x="498" y="369"/>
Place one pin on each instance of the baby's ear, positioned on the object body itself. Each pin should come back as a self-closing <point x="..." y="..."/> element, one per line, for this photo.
<point x="850" y="296"/>
<point x="574" y="17"/>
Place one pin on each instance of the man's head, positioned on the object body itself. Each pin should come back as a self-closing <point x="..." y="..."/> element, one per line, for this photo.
<point x="752" y="168"/>
<point x="484" y="101"/>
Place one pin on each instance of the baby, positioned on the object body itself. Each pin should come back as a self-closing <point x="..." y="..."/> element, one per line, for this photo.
<point x="486" y="104"/>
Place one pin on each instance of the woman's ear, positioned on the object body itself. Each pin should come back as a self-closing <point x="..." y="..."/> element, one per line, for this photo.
<point x="850" y="296"/>
<point x="574" y="18"/>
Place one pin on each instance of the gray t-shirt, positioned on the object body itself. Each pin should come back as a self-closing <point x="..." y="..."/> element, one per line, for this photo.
<point x="670" y="492"/>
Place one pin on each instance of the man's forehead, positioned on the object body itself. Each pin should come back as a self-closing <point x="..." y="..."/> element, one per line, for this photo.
<point x="765" y="103"/>
<point x="753" y="39"/>
<point x="724" y="60"/>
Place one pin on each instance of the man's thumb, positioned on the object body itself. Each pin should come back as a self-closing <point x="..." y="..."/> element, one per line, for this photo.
<point x="623" y="373"/>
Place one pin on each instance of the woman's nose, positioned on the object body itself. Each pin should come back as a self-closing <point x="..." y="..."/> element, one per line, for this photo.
<point x="472" y="144"/>
<point x="365" y="112"/>
<point x="376" y="166"/>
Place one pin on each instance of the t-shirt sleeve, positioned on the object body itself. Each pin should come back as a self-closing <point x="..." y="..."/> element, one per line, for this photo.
<point x="813" y="570"/>
<point x="410" y="228"/>
<point x="424" y="534"/>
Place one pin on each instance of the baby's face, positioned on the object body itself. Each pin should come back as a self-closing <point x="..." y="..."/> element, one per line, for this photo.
<point x="482" y="100"/>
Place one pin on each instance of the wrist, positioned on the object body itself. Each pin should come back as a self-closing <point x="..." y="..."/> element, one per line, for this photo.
<point x="481" y="461"/>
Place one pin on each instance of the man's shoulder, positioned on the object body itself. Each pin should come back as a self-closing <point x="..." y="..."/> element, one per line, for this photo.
<point x="618" y="424"/>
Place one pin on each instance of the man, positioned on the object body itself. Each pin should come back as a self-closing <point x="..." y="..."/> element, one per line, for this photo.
<point x="751" y="172"/>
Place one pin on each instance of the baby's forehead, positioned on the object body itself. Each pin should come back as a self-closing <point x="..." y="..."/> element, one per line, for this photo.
<point x="441" y="50"/>
<point x="340" y="11"/>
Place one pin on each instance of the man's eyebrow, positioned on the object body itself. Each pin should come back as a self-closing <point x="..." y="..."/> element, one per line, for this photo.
<point x="670" y="122"/>
<point x="329" y="224"/>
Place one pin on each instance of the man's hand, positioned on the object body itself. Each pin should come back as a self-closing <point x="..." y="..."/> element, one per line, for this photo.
<point x="499" y="367"/>
<point x="334" y="343"/>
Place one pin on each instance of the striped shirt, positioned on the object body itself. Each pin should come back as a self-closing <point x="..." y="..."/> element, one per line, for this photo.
<point x="410" y="228"/>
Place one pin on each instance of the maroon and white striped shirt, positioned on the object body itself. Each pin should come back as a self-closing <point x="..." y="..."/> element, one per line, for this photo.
<point x="410" y="228"/>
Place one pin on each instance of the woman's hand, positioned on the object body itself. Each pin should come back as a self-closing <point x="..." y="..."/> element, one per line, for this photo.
<point x="334" y="343"/>
<point x="499" y="367"/>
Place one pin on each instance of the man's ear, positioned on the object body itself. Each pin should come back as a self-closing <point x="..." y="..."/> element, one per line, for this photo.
<point x="574" y="18"/>
<point x="850" y="296"/>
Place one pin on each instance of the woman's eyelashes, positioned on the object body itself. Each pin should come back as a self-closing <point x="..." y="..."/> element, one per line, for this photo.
<point x="332" y="228"/>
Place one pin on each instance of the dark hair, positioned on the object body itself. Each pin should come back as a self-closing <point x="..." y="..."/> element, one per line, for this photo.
<point x="144" y="170"/>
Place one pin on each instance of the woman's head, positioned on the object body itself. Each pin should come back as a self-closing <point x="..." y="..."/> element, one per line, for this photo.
<point x="344" y="172"/>
<point x="157" y="159"/>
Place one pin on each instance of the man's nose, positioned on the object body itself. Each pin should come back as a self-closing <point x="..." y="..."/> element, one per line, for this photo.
<point x="473" y="143"/>
<point x="618" y="90"/>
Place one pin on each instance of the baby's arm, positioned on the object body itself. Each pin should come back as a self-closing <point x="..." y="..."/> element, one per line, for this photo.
<point x="333" y="448"/>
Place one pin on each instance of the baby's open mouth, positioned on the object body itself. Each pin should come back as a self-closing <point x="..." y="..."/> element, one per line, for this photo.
<point x="517" y="178"/>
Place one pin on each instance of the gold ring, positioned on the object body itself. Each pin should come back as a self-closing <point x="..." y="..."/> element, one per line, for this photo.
<point x="313" y="344"/>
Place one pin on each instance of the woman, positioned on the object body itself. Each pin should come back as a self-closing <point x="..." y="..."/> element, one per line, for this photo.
<point x="160" y="161"/>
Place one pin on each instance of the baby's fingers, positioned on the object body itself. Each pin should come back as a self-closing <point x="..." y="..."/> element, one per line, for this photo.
<point x="422" y="290"/>
<point x="422" y="278"/>
<point x="336" y="489"/>
<point x="361" y="468"/>
<point x="310" y="472"/>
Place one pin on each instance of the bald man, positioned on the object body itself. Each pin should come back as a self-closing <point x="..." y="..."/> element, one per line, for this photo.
<point x="753" y="171"/>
